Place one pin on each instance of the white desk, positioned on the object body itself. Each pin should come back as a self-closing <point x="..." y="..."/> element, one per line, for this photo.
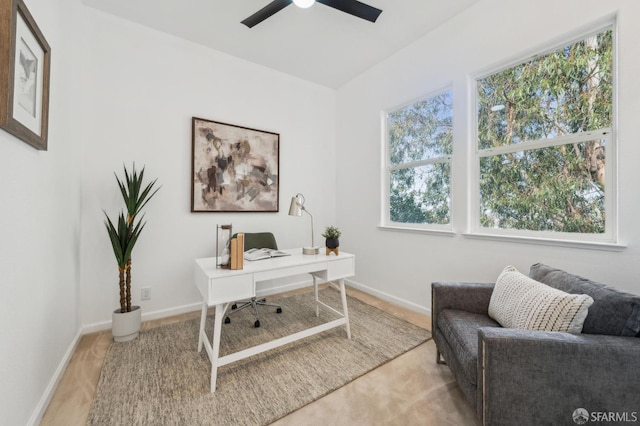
<point x="221" y="287"/>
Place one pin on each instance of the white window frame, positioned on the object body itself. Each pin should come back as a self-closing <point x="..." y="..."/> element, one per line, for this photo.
<point x="387" y="168"/>
<point x="608" y="239"/>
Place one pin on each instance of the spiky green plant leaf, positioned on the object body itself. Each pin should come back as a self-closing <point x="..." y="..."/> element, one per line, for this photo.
<point x="123" y="238"/>
<point x="133" y="194"/>
<point x="118" y="237"/>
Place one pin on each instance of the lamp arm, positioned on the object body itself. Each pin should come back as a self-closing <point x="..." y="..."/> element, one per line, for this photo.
<point x="307" y="212"/>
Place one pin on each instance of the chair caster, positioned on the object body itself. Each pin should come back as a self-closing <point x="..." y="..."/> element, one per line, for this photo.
<point x="256" y="324"/>
<point x="234" y="306"/>
<point x="279" y="311"/>
<point x="227" y="320"/>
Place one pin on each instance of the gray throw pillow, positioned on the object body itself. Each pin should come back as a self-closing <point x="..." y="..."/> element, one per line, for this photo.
<point x="613" y="312"/>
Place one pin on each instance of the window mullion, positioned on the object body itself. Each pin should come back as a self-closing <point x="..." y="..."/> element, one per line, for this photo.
<point x="546" y="143"/>
<point x="412" y="164"/>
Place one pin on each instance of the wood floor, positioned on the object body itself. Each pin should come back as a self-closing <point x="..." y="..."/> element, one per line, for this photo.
<point x="409" y="390"/>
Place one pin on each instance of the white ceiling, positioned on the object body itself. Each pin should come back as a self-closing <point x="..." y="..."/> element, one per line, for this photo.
<point x="318" y="44"/>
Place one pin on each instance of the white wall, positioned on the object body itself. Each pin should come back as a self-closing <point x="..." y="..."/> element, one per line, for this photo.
<point x="493" y="32"/>
<point x="122" y="93"/>
<point x="39" y="235"/>
<point x="141" y="89"/>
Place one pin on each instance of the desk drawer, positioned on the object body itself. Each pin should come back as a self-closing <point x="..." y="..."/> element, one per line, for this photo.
<point x="235" y="287"/>
<point x="337" y="269"/>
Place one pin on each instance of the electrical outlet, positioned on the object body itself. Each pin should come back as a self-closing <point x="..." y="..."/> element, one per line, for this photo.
<point x="145" y="293"/>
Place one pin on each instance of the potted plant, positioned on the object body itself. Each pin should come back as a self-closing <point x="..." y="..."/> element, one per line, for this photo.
<point x="332" y="235"/>
<point x="126" y="320"/>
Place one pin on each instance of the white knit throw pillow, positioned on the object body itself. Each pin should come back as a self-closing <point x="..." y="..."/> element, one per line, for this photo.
<point x="518" y="301"/>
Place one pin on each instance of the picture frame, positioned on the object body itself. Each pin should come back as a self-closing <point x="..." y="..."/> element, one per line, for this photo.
<point x="25" y="61"/>
<point x="234" y="168"/>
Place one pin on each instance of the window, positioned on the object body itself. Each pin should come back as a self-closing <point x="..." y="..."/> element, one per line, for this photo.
<point x="544" y="144"/>
<point x="418" y="166"/>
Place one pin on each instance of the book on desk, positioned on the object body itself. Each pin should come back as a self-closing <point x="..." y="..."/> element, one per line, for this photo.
<point x="263" y="253"/>
<point x="236" y="249"/>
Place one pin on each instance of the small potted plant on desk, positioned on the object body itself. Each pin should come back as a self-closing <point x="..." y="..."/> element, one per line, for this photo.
<point x="123" y="235"/>
<point x="332" y="233"/>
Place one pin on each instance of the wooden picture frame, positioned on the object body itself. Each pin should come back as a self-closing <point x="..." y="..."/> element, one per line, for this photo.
<point x="234" y="168"/>
<point x="25" y="60"/>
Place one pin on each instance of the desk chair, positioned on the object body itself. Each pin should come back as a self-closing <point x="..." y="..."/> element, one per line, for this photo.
<point x="255" y="240"/>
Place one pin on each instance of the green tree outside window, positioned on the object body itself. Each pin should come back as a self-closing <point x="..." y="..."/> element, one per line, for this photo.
<point x="419" y="165"/>
<point x="542" y="135"/>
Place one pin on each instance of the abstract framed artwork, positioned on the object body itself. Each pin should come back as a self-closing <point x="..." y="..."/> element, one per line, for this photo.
<point x="234" y="168"/>
<point x="25" y="58"/>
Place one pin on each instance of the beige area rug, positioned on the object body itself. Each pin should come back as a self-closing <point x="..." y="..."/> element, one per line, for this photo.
<point x="161" y="379"/>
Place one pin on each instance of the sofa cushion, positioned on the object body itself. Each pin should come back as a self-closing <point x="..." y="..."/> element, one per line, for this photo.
<point x="521" y="302"/>
<point x="613" y="312"/>
<point x="460" y="328"/>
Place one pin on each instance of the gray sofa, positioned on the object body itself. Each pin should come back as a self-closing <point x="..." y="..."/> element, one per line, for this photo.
<point x="523" y="377"/>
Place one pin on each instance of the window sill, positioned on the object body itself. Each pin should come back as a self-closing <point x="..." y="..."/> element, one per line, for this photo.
<point x="588" y="245"/>
<point x="445" y="232"/>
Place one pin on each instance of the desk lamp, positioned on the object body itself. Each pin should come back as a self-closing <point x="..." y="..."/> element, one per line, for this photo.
<point x="296" y="209"/>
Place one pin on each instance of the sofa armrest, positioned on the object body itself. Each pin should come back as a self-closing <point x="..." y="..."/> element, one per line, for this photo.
<point x="536" y="377"/>
<point x="463" y="296"/>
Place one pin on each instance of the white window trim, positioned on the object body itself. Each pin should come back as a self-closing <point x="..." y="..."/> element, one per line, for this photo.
<point x="604" y="133"/>
<point x="540" y="240"/>
<point x="606" y="241"/>
<point x="387" y="168"/>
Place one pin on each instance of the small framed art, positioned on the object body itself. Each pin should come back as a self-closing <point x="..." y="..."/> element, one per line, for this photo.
<point x="234" y="168"/>
<point x="24" y="75"/>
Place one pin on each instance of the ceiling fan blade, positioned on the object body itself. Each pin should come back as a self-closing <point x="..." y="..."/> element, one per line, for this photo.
<point x="355" y="8"/>
<point x="264" y="13"/>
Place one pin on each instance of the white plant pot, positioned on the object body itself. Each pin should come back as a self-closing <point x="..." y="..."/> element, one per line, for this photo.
<point x="126" y="326"/>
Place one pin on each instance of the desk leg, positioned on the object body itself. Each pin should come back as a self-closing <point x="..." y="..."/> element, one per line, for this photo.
<point x="345" y="310"/>
<point x="203" y="320"/>
<point x="217" y="329"/>
<point x="315" y="290"/>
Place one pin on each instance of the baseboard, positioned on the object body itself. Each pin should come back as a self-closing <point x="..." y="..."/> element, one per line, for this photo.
<point x="390" y="298"/>
<point x="40" y="409"/>
<point x="366" y="289"/>
<point x="169" y="312"/>
<point x="162" y="313"/>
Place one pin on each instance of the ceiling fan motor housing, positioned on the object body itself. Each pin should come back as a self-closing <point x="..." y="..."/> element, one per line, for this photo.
<point x="352" y="7"/>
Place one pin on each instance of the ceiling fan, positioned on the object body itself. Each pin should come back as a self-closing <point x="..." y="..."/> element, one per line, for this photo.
<point x="352" y="7"/>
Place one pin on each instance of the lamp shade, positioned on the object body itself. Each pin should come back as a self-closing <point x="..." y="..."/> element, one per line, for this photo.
<point x="297" y="204"/>
<point x="304" y="3"/>
<point x="295" y="209"/>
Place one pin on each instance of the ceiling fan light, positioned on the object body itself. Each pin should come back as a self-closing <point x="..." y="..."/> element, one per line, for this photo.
<point x="304" y="3"/>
